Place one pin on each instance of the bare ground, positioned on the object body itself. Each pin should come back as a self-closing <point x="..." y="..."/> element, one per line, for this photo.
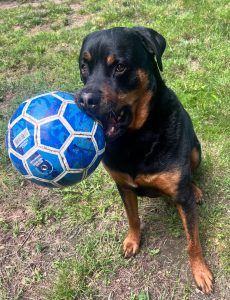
<point x="167" y="274"/>
<point x="21" y="263"/>
<point x="75" y="19"/>
<point x="6" y="4"/>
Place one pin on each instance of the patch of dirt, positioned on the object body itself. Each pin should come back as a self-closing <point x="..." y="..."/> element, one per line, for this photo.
<point x="76" y="6"/>
<point x="78" y="20"/>
<point x="195" y="64"/>
<point x="17" y="27"/>
<point x="74" y="20"/>
<point x="39" y="28"/>
<point x="12" y="4"/>
<point x="26" y="251"/>
<point x="165" y="275"/>
<point x="58" y="1"/>
<point x="5" y="103"/>
<point x="8" y="4"/>
<point x="154" y="273"/>
<point x="30" y="269"/>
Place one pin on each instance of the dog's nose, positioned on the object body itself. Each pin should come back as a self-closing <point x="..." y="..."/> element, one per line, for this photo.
<point x="88" y="100"/>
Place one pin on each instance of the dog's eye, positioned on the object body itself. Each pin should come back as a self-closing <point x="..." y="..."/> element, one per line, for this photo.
<point x="120" y="68"/>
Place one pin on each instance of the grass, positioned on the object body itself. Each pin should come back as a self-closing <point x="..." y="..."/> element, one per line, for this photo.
<point x="66" y="244"/>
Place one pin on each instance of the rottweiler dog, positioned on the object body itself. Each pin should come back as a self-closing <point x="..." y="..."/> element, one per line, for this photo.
<point x="152" y="148"/>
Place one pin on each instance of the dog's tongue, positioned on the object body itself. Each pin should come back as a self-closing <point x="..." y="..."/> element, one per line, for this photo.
<point x="110" y="127"/>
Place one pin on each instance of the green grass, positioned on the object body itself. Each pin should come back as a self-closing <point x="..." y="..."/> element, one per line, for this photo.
<point x="75" y="234"/>
<point x="94" y="260"/>
<point x="143" y="295"/>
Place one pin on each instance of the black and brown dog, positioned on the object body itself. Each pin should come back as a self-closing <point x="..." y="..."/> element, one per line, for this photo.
<point x="151" y="148"/>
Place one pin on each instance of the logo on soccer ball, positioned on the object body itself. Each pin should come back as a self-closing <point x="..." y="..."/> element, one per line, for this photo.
<point x="52" y="142"/>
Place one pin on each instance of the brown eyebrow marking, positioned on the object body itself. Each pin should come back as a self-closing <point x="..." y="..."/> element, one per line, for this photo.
<point x="143" y="77"/>
<point x="87" y="56"/>
<point x="110" y="59"/>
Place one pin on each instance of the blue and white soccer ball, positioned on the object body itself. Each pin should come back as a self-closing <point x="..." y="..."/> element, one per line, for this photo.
<point x="52" y="142"/>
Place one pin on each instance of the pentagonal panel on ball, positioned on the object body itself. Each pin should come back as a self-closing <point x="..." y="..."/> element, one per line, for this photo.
<point x="45" y="165"/>
<point x="77" y="119"/>
<point x="22" y="136"/>
<point x="53" y="134"/>
<point x="43" y="107"/>
<point x="80" y="153"/>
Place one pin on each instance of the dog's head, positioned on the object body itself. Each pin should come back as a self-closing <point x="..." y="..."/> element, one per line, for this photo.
<point x="119" y="73"/>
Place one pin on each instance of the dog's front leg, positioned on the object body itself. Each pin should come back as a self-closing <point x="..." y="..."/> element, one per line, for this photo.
<point x="188" y="214"/>
<point x="132" y="242"/>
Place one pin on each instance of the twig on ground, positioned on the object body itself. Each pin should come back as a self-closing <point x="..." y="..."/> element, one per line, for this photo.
<point x="26" y="239"/>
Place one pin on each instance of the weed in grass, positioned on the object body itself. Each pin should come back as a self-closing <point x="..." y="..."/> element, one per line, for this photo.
<point x="40" y="247"/>
<point x="143" y="295"/>
<point x="35" y="203"/>
<point x="42" y="216"/>
<point x="154" y="252"/>
<point x="4" y="225"/>
<point x="35" y="277"/>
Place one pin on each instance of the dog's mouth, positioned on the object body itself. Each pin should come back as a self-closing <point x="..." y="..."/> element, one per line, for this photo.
<point x="116" y="123"/>
<point x="114" y="120"/>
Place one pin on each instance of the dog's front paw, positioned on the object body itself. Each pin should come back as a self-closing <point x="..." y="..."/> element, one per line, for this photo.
<point x="131" y="246"/>
<point x="203" y="277"/>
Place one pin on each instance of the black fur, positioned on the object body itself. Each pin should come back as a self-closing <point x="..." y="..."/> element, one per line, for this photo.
<point x="167" y="138"/>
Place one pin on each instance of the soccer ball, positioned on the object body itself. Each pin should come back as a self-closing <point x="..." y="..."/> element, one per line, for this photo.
<point x="52" y="142"/>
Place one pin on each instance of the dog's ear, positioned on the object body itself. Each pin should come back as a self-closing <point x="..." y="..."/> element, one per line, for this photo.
<point x="153" y="42"/>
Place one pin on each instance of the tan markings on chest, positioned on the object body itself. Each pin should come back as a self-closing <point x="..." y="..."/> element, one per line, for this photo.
<point x="123" y="179"/>
<point x="166" y="182"/>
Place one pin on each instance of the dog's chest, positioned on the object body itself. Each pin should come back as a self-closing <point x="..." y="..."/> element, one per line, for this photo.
<point x="141" y="162"/>
<point x="125" y="156"/>
<point x="131" y="153"/>
<point x="127" y="160"/>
